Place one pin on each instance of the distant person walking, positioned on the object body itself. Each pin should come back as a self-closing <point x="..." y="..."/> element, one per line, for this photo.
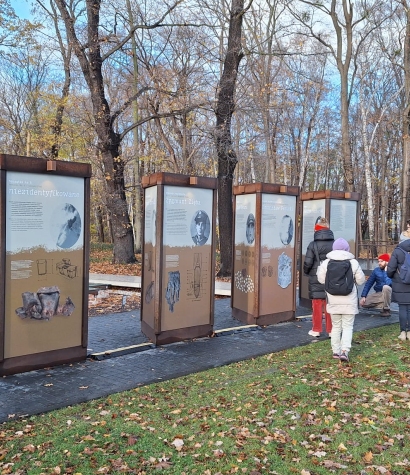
<point x="401" y="290"/>
<point x="381" y="297"/>
<point x="315" y="254"/>
<point x="342" y="308"/>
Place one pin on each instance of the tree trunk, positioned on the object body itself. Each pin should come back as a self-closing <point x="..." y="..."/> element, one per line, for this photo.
<point x="227" y="158"/>
<point x="137" y="192"/>
<point x="108" y="144"/>
<point x="346" y="152"/>
<point x="367" y="169"/>
<point x="99" y="224"/>
<point x="65" y="51"/>
<point x="405" y="206"/>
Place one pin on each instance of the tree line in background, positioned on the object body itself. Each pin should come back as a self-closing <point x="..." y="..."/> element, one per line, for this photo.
<point x="314" y="94"/>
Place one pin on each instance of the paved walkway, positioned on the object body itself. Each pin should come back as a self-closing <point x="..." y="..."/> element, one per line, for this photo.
<point x="139" y="363"/>
<point x="134" y="281"/>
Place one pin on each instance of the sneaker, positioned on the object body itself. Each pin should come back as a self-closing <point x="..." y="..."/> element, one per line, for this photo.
<point x="312" y="333"/>
<point x="408" y="335"/>
<point x="336" y="356"/>
<point x="402" y="336"/>
<point x="385" y="313"/>
<point x="344" y="356"/>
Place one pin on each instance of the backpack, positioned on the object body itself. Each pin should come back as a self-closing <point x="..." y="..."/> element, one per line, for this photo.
<point x="404" y="272"/>
<point x="339" y="277"/>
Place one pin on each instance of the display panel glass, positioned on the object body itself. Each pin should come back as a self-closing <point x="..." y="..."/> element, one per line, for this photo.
<point x="44" y="263"/>
<point x="244" y="262"/>
<point x="343" y="221"/>
<point x="187" y="257"/>
<point x="150" y="231"/>
<point x="276" y="286"/>
<point x="313" y="210"/>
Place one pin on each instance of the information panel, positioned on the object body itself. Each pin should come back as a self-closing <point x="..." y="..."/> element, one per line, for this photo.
<point x="44" y="258"/>
<point x="277" y="253"/>
<point x="187" y="257"/>
<point x="312" y="212"/>
<point x="150" y="229"/>
<point x="343" y="221"/>
<point x="244" y="264"/>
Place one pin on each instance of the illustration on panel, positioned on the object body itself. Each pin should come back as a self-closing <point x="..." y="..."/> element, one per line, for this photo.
<point x="197" y="277"/>
<point x="44" y="304"/>
<point x="284" y="270"/>
<point x="149" y="292"/>
<point x="244" y="282"/>
<point x="173" y="288"/>
<point x="67" y="221"/>
<point x="66" y="269"/>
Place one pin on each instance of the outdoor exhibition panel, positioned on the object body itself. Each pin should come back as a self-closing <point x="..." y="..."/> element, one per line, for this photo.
<point x="44" y="259"/>
<point x="263" y="285"/>
<point x="341" y="210"/>
<point x="178" y="272"/>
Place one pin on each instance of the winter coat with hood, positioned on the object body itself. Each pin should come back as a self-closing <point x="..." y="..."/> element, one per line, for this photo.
<point x="324" y="239"/>
<point x="342" y="304"/>
<point x="401" y="291"/>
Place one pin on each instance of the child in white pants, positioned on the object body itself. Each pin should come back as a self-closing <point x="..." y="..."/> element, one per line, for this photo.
<point x="342" y="308"/>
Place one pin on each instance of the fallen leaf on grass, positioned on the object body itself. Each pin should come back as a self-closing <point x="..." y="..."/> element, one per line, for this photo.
<point x="331" y="464"/>
<point x="161" y="465"/>
<point x="178" y="443"/>
<point x="218" y="453"/>
<point x="29" y="448"/>
<point x="132" y="439"/>
<point x="401" y="394"/>
<point x="319" y="453"/>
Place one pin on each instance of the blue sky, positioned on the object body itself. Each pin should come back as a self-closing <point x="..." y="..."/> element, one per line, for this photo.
<point x="22" y="8"/>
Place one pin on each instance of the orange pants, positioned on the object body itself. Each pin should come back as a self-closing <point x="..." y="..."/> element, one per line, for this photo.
<point x="318" y="309"/>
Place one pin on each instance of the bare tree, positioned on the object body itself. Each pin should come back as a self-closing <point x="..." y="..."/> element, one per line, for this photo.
<point x="351" y="24"/>
<point x="65" y="51"/>
<point x="227" y="158"/>
<point x="91" y="54"/>
<point x="405" y="201"/>
<point x="265" y="64"/>
<point x="376" y="93"/>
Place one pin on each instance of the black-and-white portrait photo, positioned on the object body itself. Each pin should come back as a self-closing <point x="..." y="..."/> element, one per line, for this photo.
<point x="286" y="229"/>
<point x="250" y="228"/>
<point x="200" y="228"/>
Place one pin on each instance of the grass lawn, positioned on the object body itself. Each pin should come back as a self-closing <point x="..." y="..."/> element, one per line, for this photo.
<point x="294" y="412"/>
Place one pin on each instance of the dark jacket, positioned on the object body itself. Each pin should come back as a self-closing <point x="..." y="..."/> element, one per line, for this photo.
<point x="401" y="291"/>
<point x="378" y="278"/>
<point x="324" y="240"/>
